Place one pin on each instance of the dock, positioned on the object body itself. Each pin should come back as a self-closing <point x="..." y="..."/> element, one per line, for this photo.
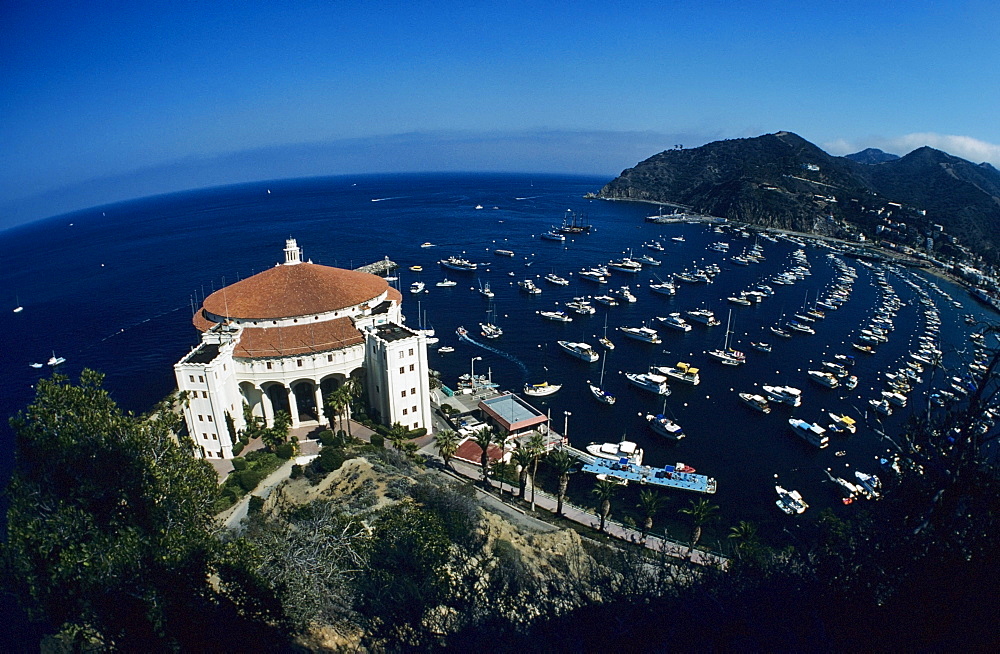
<point x="667" y="476"/>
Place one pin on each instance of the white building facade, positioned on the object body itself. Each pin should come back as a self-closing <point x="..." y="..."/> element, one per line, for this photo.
<point x="285" y="338"/>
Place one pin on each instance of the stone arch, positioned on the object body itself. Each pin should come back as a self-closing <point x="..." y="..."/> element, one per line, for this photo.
<point x="277" y="395"/>
<point x="305" y="399"/>
<point x="254" y="397"/>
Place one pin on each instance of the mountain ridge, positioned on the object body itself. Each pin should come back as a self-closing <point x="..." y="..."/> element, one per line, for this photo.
<point x="782" y="180"/>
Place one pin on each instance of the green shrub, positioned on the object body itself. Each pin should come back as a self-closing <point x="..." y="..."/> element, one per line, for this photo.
<point x="255" y="505"/>
<point x="330" y="459"/>
<point x="417" y="433"/>
<point x="377" y="440"/>
<point x="326" y="437"/>
<point x="285" y="451"/>
<point x="296" y="471"/>
<point x="238" y="447"/>
<point x="248" y="479"/>
<point x="239" y="463"/>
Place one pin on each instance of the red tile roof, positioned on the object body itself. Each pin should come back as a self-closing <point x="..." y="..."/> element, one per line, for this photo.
<point x="297" y="290"/>
<point x="267" y="342"/>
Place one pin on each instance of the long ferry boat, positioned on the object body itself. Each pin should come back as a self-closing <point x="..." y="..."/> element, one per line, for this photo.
<point x="667" y="476"/>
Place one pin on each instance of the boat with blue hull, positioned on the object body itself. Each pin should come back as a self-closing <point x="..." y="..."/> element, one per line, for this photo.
<point x="667" y="476"/>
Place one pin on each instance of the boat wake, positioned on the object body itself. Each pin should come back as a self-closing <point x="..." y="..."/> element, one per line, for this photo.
<point x="398" y="197"/>
<point x="505" y="355"/>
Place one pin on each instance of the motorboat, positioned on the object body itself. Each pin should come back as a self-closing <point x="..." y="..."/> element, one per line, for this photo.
<point x="528" y="286"/>
<point x="458" y="263"/>
<point x="446" y="349"/>
<point x="663" y="288"/>
<point x="627" y="450"/>
<point x="790" y="502"/>
<point x="704" y="316"/>
<point x="844" y="421"/>
<point x="606" y="300"/>
<point x="760" y="346"/>
<point x="446" y="282"/>
<point x="758" y="402"/>
<point x="417" y="287"/>
<point x="824" y="378"/>
<point x="682" y="372"/>
<point x="645" y="334"/>
<point x="484" y="290"/>
<point x="55" y="361"/>
<point x="553" y="235"/>
<point x="427" y="244"/>
<point x="581" y="306"/>
<point x="812" y="433"/>
<point x="593" y="275"/>
<point x="674" y="321"/>
<point x="556" y="316"/>
<point x="503" y="253"/>
<point x="665" y="427"/>
<point x="556" y="279"/>
<point x="785" y="394"/>
<point x="649" y="381"/>
<point x="580" y="350"/>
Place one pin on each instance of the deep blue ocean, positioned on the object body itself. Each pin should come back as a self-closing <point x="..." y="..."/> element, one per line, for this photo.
<point x="112" y="288"/>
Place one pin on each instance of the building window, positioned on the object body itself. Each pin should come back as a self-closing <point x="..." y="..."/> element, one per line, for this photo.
<point x="268" y="364"/>
<point x="220" y="455"/>
<point x="403" y="394"/>
<point x="210" y="419"/>
<point x="191" y="377"/>
<point x="401" y="355"/>
<point x="413" y="391"/>
<point x="214" y="437"/>
<point x="201" y="379"/>
<point x="414" y="409"/>
<point x="411" y="367"/>
<point x="402" y="370"/>
<point x="204" y="394"/>
<point x="416" y="425"/>
<point x="200" y="418"/>
<point x="404" y="412"/>
<point x="329" y="357"/>
<point x="299" y="362"/>
<point x="204" y="435"/>
<point x="223" y="367"/>
<point x="411" y="351"/>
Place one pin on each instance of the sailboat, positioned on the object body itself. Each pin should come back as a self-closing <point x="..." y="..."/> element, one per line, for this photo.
<point x="17" y="302"/>
<point x="727" y="355"/>
<point x="598" y="391"/>
<point x="605" y="341"/>
<point x="664" y="426"/>
<point x="490" y="330"/>
<point x="422" y="328"/>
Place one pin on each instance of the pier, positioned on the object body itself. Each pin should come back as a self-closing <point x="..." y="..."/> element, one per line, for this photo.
<point x="379" y="267"/>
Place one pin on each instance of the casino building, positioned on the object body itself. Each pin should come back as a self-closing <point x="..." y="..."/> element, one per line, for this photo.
<point x="285" y="338"/>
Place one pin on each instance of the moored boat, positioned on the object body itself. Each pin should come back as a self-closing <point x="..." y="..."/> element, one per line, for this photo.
<point x="649" y="381"/>
<point x="579" y="350"/>
<point x="810" y="432"/>
<point x="541" y="390"/>
<point x="758" y="402"/>
<point x="682" y="372"/>
<point x="790" y="502"/>
<point x="665" y="427"/>
<point x="645" y="334"/>
<point x="621" y="452"/>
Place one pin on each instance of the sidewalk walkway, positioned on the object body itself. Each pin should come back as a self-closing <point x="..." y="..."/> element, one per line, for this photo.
<point x="544" y="500"/>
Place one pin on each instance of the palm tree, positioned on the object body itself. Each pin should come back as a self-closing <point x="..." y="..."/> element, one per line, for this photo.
<point x="484" y="438"/>
<point x="352" y="391"/>
<point x="536" y="444"/>
<point x="277" y="434"/>
<point x="522" y="458"/>
<point x="397" y="436"/>
<point x="745" y="535"/>
<point x="604" y="490"/>
<point x="650" y="503"/>
<point x="447" y="444"/>
<point x="336" y="404"/>
<point x="561" y="464"/>
<point x="701" y="512"/>
<point x="500" y="470"/>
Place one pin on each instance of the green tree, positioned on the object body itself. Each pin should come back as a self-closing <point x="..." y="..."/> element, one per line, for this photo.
<point x="484" y="438"/>
<point x="744" y="535"/>
<point x="398" y="436"/>
<point x="354" y="391"/>
<point x="110" y="523"/>
<point x="500" y="471"/>
<point x="253" y="425"/>
<point x="277" y="433"/>
<point x="650" y="503"/>
<point x="447" y="444"/>
<point x="561" y="463"/>
<point x="604" y="490"/>
<point x="522" y="457"/>
<point x="701" y="512"/>
<point x="336" y="405"/>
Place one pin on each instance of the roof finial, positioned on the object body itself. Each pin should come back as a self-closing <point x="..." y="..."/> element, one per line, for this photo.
<point x="293" y="253"/>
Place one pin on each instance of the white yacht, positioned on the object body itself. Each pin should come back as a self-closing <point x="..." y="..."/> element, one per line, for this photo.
<point x="844" y="421"/>
<point x="758" y="402"/>
<point x="557" y="316"/>
<point x="649" y="381"/>
<point x="581" y="306"/>
<point x="645" y="334"/>
<point x="528" y="286"/>
<point x="446" y="282"/>
<point x="556" y="279"/>
<point x="594" y="276"/>
<point x="417" y="287"/>
<point x="458" y="263"/>
<point x="827" y="379"/>
<point x="674" y="321"/>
<point x="704" y="316"/>
<point x="810" y="432"/>
<point x="790" y="502"/>
<point x="663" y="288"/>
<point x="580" y="351"/>
<point x="617" y="451"/>
<point x="682" y="372"/>
<point x="484" y="290"/>
<point x="665" y="427"/>
<point x="784" y="394"/>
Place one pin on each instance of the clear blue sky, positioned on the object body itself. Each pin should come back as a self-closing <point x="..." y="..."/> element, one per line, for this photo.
<point x="101" y="101"/>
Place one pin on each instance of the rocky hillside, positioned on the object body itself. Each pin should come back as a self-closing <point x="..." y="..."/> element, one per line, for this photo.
<point x="781" y="180"/>
<point x="871" y="156"/>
